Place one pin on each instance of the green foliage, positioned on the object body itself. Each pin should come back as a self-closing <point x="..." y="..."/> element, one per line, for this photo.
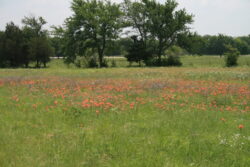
<point x="173" y="56"/>
<point x="231" y="56"/>
<point x="113" y="63"/>
<point x="19" y="47"/>
<point x="13" y="47"/>
<point x="88" y="60"/>
<point x="212" y="45"/>
<point x="137" y="52"/>
<point x="175" y="51"/>
<point x="157" y="22"/>
<point x="39" y="46"/>
<point x="1" y="49"/>
<point x="192" y="42"/>
<point x="34" y="25"/>
<point x="94" y="24"/>
<point x="57" y="41"/>
<point x="40" y="51"/>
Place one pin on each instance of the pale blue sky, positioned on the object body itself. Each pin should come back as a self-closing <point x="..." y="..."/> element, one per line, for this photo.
<point x="231" y="17"/>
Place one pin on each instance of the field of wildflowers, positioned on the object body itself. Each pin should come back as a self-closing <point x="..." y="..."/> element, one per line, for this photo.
<point x="125" y="117"/>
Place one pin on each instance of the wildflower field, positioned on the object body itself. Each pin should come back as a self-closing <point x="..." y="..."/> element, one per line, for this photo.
<point x="134" y="117"/>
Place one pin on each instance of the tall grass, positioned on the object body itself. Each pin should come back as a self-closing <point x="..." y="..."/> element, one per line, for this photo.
<point x="126" y="117"/>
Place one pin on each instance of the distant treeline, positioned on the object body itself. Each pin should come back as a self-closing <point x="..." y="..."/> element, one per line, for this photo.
<point x="158" y="33"/>
<point x="193" y="44"/>
<point x="21" y="46"/>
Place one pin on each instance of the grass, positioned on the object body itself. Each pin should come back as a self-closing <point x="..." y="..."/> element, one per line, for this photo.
<point x="190" y="61"/>
<point x="188" y="116"/>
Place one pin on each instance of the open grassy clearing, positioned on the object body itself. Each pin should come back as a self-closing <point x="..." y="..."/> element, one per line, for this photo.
<point x="125" y="117"/>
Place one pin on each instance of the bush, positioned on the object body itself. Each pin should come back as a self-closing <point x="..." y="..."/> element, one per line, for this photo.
<point x="88" y="60"/>
<point x="171" y="58"/>
<point x="85" y="62"/>
<point x="231" y="56"/>
<point x="113" y="63"/>
<point x="92" y="62"/>
<point x="137" y="52"/>
<point x="104" y="63"/>
<point x="173" y="61"/>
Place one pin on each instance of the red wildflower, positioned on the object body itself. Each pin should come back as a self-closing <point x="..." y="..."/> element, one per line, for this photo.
<point x="223" y="119"/>
<point x="241" y="126"/>
<point x="97" y="112"/>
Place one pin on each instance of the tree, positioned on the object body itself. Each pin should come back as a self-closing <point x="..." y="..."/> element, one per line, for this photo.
<point x="12" y="46"/>
<point x="38" y="46"/>
<point x="35" y="26"/>
<point x="158" y="22"/>
<point x="165" y="23"/>
<point x="57" y="41"/>
<point x="41" y="51"/>
<point x="192" y="43"/>
<point x="136" y="17"/>
<point x="241" y="45"/>
<point x="94" y="24"/>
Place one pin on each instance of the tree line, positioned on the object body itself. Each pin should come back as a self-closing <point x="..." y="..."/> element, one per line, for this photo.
<point x="21" y="46"/>
<point x="144" y="31"/>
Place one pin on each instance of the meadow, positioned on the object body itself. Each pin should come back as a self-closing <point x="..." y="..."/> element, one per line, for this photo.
<point x="196" y="115"/>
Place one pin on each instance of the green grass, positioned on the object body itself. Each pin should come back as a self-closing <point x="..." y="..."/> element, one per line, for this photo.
<point x="126" y="117"/>
<point x="190" y="61"/>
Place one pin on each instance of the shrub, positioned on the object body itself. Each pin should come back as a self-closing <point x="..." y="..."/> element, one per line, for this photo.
<point x="92" y="62"/>
<point x="137" y="52"/>
<point x="231" y="56"/>
<point x="173" y="61"/>
<point x="104" y="63"/>
<point x="113" y="63"/>
<point x="88" y="60"/>
<point x="171" y="58"/>
<point x="85" y="62"/>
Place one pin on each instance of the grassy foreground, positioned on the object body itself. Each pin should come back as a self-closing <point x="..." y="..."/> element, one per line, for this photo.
<point x="126" y="117"/>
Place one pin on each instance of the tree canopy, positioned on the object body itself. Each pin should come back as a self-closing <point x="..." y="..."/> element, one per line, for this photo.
<point x="94" y="24"/>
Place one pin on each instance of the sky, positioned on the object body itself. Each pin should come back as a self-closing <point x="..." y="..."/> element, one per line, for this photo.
<point x="229" y="17"/>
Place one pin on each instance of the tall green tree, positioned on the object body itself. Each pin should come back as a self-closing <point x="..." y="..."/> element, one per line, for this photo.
<point x="94" y="24"/>
<point x="12" y="46"/>
<point x="35" y="26"/>
<point x="57" y="40"/>
<point x="158" y="22"/>
<point x="165" y="23"/>
<point x="39" y="48"/>
<point x="137" y="18"/>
